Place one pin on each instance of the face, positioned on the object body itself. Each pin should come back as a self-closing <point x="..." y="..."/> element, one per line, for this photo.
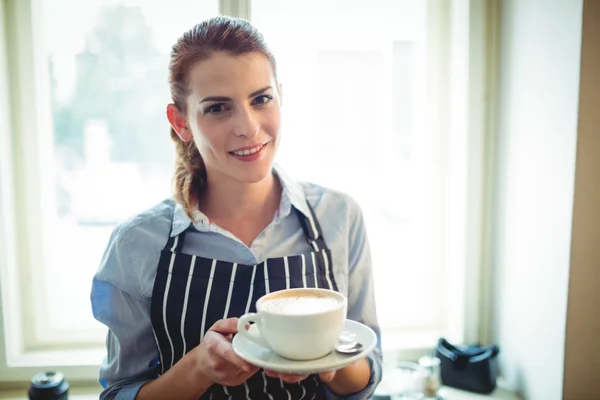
<point x="234" y="112"/>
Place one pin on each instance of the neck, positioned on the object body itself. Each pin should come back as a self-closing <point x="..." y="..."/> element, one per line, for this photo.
<point x="227" y="200"/>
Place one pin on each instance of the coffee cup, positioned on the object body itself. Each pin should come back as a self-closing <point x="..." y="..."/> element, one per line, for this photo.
<point x="298" y="324"/>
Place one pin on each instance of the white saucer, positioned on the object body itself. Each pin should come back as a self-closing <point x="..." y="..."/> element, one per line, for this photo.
<point x="267" y="359"/>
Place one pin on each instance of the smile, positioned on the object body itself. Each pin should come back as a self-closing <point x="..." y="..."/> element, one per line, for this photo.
<point x="247" y="152"/>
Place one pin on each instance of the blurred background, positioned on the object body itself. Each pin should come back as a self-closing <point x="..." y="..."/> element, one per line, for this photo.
<point x="453" y="123"/>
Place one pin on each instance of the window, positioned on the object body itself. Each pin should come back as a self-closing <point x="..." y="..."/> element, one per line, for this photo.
<point x="371" y="91"/>
<point x="353" y="90"/>
<point x="111" y="154"/>
<point x="365" y="95"/>
<point x="99" y="84"/>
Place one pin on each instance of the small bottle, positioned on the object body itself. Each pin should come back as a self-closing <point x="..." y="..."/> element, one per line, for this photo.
<point x="433" y="379"/>
<point x="49" y="386"/>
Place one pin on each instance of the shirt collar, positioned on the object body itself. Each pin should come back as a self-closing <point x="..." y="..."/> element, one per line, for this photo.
<point x="181" y="221"/>
<point x="292" y="195"/>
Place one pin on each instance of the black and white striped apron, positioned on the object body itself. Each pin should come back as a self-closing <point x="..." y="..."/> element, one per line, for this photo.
<point x="191" y="293"/>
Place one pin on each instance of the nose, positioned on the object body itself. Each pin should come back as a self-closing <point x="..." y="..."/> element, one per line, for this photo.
<point x="246" y="123"/>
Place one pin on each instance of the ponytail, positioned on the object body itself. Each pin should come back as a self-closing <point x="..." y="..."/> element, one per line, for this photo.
<point x="190" y="175"/>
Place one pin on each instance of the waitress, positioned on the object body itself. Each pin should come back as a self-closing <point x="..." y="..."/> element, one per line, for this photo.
<point x="174" y="279"/>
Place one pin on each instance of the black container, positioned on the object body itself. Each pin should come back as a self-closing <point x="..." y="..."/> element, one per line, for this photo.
<point x="49" y="386"/>
<point x="472" y="368"/>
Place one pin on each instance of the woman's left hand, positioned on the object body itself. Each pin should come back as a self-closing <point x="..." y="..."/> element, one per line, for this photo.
<point x="350" y="379"/>
<point x="295" y="378"/>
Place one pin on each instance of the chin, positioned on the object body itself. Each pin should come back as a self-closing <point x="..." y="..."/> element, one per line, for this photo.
<point x="250" y="171"/>
<point x="256" y="174"/>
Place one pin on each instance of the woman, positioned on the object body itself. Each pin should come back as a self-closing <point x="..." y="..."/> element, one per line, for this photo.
<point x="174" y="279"/>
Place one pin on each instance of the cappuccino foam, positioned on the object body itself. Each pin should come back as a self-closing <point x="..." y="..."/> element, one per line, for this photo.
<point x="298" y="305"/>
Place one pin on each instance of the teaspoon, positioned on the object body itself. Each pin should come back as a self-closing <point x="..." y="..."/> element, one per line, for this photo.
<point x="347" y="345"/>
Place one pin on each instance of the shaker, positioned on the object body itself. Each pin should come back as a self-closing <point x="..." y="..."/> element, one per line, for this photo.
<point x="49" y="385"/>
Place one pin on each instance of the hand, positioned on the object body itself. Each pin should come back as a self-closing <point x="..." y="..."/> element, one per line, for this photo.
<point x="215" y="358"/>
<point x="327" y="376"/>
<point x="295" y="378"/>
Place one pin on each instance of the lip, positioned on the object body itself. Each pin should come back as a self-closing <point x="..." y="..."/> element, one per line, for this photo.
<point x="251" y="157"/>
<point x="253" y="146"/>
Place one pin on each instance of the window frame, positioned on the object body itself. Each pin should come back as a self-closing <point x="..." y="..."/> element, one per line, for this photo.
<point x="466" y="26"/>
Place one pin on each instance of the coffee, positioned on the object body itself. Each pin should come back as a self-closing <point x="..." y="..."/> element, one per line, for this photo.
<point x="298" y="324"/>
<point x="300" y="305"/>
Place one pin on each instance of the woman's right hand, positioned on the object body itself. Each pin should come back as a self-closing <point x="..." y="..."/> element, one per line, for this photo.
<point x="215" y="358"/>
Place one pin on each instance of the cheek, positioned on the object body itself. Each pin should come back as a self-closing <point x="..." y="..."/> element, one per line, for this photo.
<point x="272" y="123"/>
<point x="209" y="137"/>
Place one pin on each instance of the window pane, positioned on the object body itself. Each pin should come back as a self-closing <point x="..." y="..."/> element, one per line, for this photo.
<point x="112" y="153"/>
<point x="354" y="83"/>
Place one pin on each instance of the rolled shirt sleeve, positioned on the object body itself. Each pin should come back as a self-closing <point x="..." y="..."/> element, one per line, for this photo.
<point x="117" y="302"/>
<point x="361" y="298"/>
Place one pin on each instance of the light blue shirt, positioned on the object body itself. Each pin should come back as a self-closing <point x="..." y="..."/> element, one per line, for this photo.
<point x="122" y="287"/>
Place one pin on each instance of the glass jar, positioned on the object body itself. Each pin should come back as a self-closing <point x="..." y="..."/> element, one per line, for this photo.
<point x="433" y="378"/>
<point x="404" y="380"/>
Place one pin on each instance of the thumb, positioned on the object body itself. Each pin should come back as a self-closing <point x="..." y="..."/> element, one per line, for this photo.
<point x="225" y="326"/>
<point x="327" y="376"/>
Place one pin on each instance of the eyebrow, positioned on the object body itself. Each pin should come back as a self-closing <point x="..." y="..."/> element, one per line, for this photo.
<point x="221" y="98"/>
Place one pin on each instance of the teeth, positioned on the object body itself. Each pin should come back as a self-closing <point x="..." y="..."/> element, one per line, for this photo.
<point x="248" y="152"/>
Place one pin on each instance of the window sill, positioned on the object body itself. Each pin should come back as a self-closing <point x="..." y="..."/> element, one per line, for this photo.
<point x="83" y="365"/>
<point x="498" y="394"/>
<point x="501" y="393"/>
<point x="455" y="394"/>
<point x="77" y="365"/>
<point x="92" y="392"/>
<point x="75" y="393"/>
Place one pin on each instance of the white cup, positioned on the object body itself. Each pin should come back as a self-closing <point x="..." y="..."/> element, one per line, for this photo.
<point x="306" y="327"/>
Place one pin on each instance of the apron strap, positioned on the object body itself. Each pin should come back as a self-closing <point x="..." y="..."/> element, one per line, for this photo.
<point x="312" y="229"/>
<point x="175" y="243"/>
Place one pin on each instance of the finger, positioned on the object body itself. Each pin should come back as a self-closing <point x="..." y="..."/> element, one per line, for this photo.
<point x="225" y="326"/>
<point x="292" y="378"/>
<point x="225" y="351"/>
<point x="289" y="378"/>
<point x="271" y="374"/>
<point x="240" y="378"/>
<point x="327" y="376"/>
<point x="239" y="375"/>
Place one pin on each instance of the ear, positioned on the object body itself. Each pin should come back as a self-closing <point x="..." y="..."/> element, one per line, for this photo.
<point x="179" y="123"/>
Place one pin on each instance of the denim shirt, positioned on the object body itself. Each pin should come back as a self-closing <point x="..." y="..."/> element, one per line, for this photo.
<point x="122" y="287"/>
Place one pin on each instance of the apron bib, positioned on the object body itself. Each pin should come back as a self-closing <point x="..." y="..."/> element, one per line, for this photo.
<point x="191" y="293"/>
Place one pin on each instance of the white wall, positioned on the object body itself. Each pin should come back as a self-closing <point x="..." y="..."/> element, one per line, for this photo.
<point x="539" y="60"/>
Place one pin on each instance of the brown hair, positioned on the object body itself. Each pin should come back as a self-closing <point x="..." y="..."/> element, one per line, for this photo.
<point x="234" y="36"/>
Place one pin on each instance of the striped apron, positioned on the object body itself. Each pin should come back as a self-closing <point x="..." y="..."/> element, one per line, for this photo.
<point x="191" y="293"/>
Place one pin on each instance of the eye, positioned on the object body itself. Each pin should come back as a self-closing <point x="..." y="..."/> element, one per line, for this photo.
<point x="216" y="109"/>
<point x="262" y="99"/>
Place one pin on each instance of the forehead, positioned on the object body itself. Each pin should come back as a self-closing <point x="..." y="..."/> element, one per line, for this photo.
<point x="226" y="75"/>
